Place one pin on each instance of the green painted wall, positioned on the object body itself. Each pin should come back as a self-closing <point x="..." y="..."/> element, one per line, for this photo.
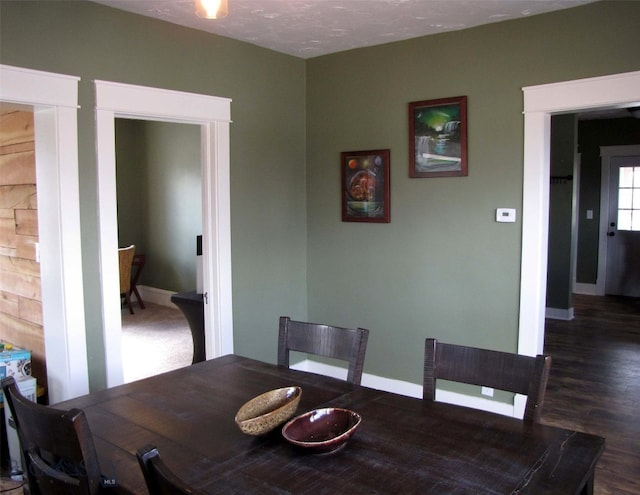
<point x="159" y="184"/>
<point x="268" y="210"/>
<point x="443" y="267"/>
<point x="130" y="183"/>
<point x="561" y="205"/>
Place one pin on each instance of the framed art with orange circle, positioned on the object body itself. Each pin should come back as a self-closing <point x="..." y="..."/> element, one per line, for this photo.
<point x="365" y="186"/>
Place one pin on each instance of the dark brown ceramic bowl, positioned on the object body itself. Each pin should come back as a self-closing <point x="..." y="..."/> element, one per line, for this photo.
<point x="322" y="430"/>
<point x="265" y="412"/>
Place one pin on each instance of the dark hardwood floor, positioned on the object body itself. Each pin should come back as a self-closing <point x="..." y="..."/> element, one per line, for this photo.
<point x="594" y="384"/>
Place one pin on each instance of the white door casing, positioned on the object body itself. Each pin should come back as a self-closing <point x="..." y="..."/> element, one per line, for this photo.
<point x="540" y="102"/>
<point x="213" y="115"/>
<point x="54" y="98"/>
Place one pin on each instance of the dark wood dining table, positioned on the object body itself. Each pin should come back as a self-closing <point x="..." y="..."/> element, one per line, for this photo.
<point x="404" y="445"/>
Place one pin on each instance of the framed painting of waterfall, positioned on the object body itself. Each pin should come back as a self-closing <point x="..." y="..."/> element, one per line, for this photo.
<point x="438" y="138"/>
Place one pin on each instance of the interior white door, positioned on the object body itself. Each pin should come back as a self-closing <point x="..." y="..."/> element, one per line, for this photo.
<point x="623" y="229"/>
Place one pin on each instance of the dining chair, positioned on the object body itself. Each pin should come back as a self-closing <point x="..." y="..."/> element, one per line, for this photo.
<point x="57" y="447"/>
<point x="159" y="478"/>
<point x="515" y="373"/>
<point x="125" y="256"/>
<point x="346" y="344"/>
<point x="139" y="260"/>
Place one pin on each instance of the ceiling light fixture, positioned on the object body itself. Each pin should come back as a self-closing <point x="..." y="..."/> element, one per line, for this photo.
<point x="212" y="9"/>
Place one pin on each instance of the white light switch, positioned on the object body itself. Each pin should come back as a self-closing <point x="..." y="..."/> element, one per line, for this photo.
<point x="589" y="214"/>
<point x="506" y="215"/>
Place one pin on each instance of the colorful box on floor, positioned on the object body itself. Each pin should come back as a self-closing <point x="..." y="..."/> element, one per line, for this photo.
<point x="15" y="362"/>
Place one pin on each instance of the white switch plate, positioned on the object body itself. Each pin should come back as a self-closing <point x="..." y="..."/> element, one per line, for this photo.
<point x="589" y="214"/>
<point x="506" y="215"/>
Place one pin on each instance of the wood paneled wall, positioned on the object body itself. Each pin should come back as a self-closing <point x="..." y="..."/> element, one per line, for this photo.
<point x="20" y="290"/>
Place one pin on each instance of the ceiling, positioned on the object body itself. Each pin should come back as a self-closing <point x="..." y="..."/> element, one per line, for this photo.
<point x="310" y="28"/>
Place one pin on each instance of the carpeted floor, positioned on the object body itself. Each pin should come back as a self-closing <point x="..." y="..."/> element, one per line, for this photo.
<point x="154" y="340"/>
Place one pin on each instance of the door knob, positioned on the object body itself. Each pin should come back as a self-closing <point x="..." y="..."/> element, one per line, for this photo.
<point x="611" y="234"/>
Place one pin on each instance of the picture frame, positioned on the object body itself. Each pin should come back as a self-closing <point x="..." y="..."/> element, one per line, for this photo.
<point x="438" y="138"/>
<point x="365" y="186"/>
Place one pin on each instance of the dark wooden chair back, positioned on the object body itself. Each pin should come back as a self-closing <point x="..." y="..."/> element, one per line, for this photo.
<point x="159" y="478"/>
<point x="346" y="344"/>
<point x="57" y="446"/>
<point x="515" y="373"/>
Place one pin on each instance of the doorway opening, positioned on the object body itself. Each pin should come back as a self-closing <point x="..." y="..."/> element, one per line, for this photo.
<point x="212" y="115"/>
<point x="53" y="98"/>
<point x="582" y="145"/>
<point x="540" y="102"/>
<point x="159" y="184"/>
<point x="21" y="308"/>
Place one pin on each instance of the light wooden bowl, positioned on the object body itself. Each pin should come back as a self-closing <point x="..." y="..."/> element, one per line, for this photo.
<point x="265" y="412"/>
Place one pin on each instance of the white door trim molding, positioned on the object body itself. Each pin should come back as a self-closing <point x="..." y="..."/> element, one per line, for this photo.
<point x="606" y="153"/>
<point x="540" y="102"/>
<point x="213" y="114"/>
<point x="54" y="98"/>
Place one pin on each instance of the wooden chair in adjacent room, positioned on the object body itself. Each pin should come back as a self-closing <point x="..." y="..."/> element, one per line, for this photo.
<point x="125" y="256"/>
<point x="159" y="478"/>
<point x="346" y="344"/>
<point x="515" y="373"/>
<point x="57" y="446"/>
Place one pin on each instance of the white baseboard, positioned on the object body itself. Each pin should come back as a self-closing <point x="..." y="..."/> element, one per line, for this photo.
<point x="559" y="314"/>
<point x="156" y="296"/>
<point x="585" y="289"/>
<point x="413" y="390"/>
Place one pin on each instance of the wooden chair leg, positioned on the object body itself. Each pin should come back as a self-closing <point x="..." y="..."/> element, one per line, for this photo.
<point x="127" y="301"/>
<point x="128" y="298"/>
<point x="134" y="290"/>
